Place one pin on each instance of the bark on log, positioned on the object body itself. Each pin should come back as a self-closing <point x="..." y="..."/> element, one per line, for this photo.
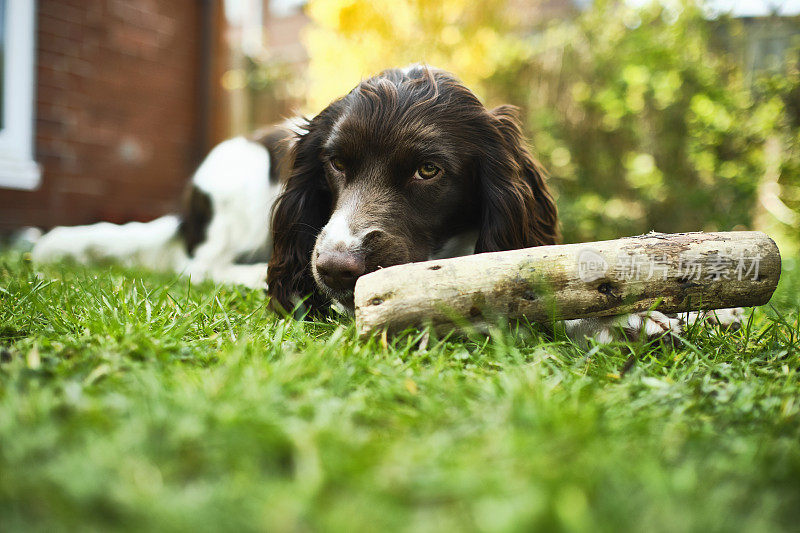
<point x="668" y="272"/>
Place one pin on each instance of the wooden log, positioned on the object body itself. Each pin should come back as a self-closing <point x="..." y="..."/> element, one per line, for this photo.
<point x="668" y="272"/>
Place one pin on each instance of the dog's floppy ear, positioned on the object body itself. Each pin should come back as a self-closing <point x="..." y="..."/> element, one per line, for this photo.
<point x="298" y="215"/>
<point x="517" y="210"/>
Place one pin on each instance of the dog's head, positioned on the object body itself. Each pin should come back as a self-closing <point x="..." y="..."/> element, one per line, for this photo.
<point x="388" y="173"/>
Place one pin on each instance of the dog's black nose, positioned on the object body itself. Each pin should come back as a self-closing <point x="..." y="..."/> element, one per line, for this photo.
<point x="340" y="270"/>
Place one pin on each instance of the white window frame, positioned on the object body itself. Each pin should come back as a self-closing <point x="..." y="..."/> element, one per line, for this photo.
<point x="18" y="170"/>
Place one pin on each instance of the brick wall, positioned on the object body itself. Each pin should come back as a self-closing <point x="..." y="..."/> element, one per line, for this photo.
<point x="117" y="125"/>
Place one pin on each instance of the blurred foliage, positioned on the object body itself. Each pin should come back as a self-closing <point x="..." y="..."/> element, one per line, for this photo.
<point x="643" y="116"/>
<point x="646" y="125"/>
<point x="269" y="89"/>
<point x="783" y="190"/>
<point x="269" y="74"/>
<point x="353" y="39"/>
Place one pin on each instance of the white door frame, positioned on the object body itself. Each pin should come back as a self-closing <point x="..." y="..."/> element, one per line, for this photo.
<point x="18" y="170"/>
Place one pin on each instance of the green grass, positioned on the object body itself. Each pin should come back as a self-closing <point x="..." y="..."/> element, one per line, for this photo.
<point x="133" y="401"/>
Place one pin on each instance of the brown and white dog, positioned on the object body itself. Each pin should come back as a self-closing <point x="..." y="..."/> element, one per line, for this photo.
<point x="408" y="166"/>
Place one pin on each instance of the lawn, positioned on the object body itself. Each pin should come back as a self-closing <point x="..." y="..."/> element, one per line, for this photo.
<point x="133" y="401"/>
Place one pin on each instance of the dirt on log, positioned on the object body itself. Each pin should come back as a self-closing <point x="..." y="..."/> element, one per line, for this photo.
<point x="668" y="272"/>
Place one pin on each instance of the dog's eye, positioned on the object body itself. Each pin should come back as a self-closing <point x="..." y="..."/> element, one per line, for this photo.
<point x="337" y="164"/>
<point x="427" y="171"/>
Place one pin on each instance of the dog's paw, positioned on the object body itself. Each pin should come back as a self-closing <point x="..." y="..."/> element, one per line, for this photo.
<point x="731" y="318"/>
<point x="646" y="327"/>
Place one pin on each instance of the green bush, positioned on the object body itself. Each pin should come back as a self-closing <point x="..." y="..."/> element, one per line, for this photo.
<point x="646" y="122"/>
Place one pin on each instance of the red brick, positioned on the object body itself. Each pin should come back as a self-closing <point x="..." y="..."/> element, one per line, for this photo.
<point x="110" y="71"/>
